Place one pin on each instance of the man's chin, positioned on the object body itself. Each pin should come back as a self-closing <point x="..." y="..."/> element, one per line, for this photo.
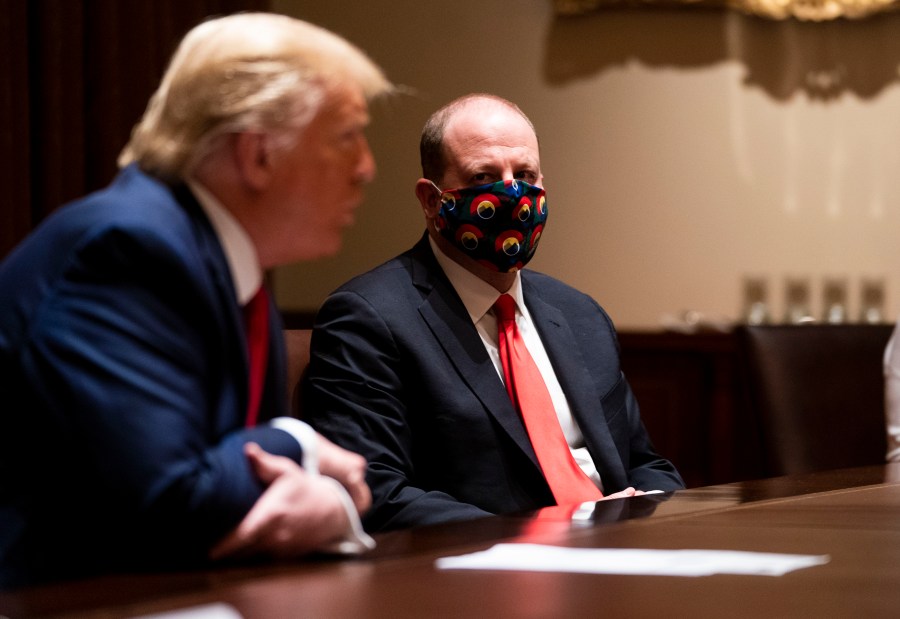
<point x="325" y="246"/>
<point x="351" y="208"/>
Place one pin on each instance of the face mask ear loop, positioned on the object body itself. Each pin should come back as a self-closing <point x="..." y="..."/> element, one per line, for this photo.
<point x="440" y="193"/>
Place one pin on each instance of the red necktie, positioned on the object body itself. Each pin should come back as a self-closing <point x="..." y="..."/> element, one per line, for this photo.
<point x="256" y="322"/>
<point x="529" y="394"/>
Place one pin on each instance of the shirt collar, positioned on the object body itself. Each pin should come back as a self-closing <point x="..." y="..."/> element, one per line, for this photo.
<point x="476" y="294"/>
<point x="243" y="263"/>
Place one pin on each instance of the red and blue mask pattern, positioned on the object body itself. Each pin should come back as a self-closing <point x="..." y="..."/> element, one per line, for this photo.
<point x="498" y="224"/>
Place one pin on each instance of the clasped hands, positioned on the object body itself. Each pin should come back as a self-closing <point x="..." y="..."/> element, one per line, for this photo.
<point x="299" y="512"/>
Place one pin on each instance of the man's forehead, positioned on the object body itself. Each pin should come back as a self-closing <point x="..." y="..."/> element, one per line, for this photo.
<point x="484" y="116"/>
<point x="344" y="101"/>
<point x="475" y="130"/>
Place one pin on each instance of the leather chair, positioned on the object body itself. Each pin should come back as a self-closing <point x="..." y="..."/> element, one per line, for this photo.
<point x="818" y="394"/>
<point x="296" y="342"/>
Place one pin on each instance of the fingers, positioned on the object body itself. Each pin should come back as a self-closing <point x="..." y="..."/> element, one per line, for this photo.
<point x="360" y="494"/>
<point x="622" y="494"/>
<point x="628" y="492"/>
<point x="229" y="546"/>
<point x="347" y="468"/>
<point x="241" y="540"/>
<point x="297" y="514"/>
<point x="353" y="478"/>
<point x="266" y="466"/>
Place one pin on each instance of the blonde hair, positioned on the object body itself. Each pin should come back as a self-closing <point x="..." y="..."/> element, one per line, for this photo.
<point x="244" y="72"/>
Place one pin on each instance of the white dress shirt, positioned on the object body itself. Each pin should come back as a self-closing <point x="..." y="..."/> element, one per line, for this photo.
<point x="479" y="297"/>
<point x="892" y="394"/>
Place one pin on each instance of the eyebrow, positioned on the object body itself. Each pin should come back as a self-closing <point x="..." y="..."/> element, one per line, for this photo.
<point x="479" y="166"/>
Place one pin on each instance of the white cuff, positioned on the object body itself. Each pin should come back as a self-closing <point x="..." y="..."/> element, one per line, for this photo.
<point x="306" y="436"/>
<point x="355" y="540"/>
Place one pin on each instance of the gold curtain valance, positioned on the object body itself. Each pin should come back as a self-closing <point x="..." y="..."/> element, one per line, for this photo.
<point x="805" y="10"/>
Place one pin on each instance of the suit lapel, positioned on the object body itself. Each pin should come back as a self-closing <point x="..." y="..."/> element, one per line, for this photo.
<point x="234" y="346"/>
<point x="575" y="379"/>
<point x="214" y="258"/>
<point x="449" y="321"/>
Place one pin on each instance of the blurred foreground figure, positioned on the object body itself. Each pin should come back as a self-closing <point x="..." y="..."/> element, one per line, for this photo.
<point x="144" y="412"/>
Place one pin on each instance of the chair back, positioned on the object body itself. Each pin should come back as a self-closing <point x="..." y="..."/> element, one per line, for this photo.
<point x="296" y="343"/>
<point x="818" y="392"/>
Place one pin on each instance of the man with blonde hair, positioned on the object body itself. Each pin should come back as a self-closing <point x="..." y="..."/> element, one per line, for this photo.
<point x="144" y="421"/>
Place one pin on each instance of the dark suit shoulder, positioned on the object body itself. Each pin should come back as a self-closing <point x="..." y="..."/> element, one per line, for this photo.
<point x="375" y="278"/>
<point x="574" y="303"/>
<point x="391" y="278"/>
<point x="134" y="232"/>
<point x="134" y="205"/>
<point x="548" y="285"/>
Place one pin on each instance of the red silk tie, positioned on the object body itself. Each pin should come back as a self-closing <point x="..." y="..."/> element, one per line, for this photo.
<point x="256" y="322"/>
<point x="529" y="394"/>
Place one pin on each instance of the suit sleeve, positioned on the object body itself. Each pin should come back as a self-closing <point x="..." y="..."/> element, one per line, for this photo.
<point x="128" y="358"/>
<point x="356" y="395"/>
<point x="635" y="461"/>
<point x="647" y="470"/>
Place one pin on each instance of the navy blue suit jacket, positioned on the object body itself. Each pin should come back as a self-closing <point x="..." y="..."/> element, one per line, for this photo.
<point x="123" y="388"/>
<point x="399" y="374"/>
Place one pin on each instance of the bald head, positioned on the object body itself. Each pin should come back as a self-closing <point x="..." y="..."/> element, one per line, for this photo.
<point x="433" y="147"/>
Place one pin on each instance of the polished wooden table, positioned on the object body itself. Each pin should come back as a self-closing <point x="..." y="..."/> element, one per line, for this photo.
<point x="851" y="515"/>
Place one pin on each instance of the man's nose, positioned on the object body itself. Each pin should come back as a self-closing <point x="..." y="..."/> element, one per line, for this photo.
<point x="365" y="168"/>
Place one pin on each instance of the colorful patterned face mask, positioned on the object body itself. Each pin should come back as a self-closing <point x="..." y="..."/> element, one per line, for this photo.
<point x="498" y="224"/>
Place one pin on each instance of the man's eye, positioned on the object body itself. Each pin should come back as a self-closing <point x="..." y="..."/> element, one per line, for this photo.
<point x="350" y="136"/>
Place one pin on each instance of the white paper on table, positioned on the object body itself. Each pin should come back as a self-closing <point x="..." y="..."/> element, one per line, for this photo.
<point x="216" y="610"/>
<point x="542" y="558"/>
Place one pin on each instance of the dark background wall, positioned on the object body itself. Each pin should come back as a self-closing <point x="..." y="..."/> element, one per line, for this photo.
<point x="76" y="76"/>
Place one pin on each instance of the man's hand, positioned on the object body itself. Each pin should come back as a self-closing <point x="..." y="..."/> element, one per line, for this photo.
<point x="348" y="468"/>
<point x="623" y="494"/>
<point x="297" y="513"/>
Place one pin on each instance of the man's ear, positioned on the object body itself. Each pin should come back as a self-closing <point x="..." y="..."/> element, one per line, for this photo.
<point x="429" y="197"/>
<point x="253" y="159"/>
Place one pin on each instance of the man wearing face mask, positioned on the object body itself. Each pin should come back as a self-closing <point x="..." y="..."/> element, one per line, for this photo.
<point x="470" y="385"/>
